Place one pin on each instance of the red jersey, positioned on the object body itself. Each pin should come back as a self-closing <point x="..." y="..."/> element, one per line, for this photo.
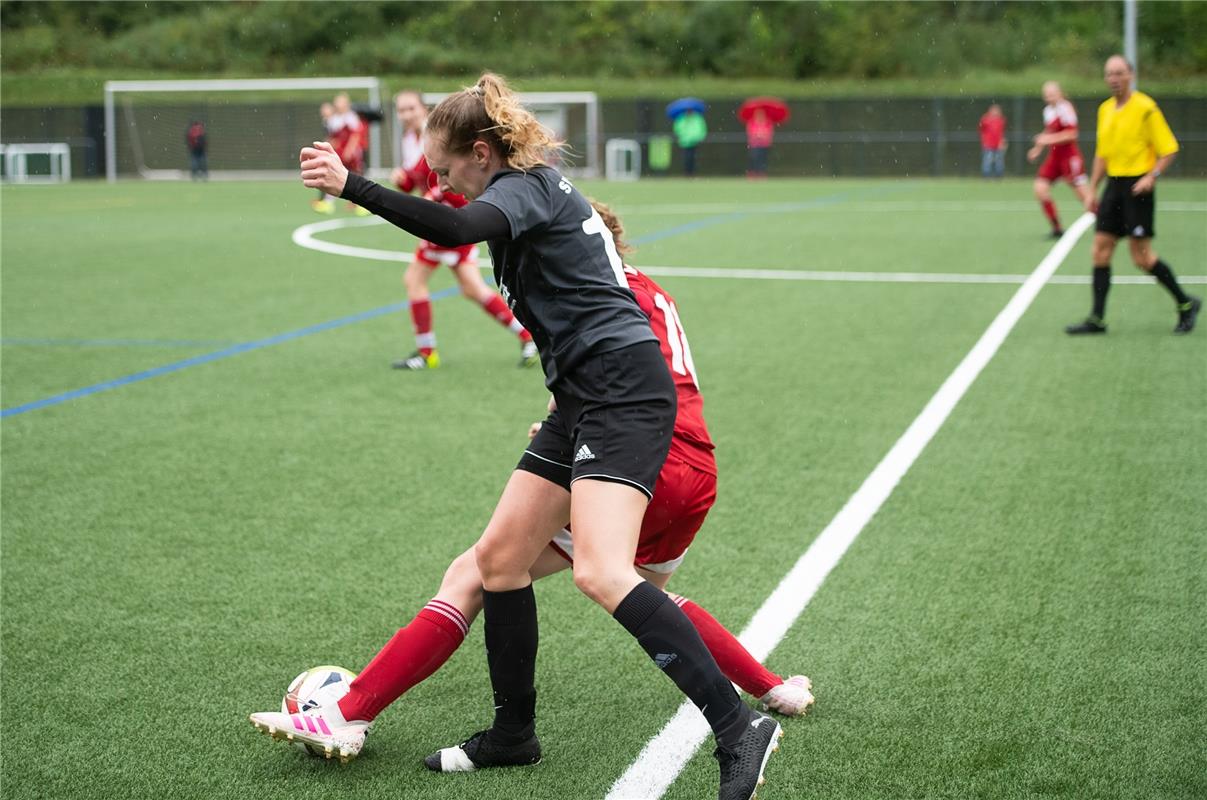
<point x="690" y="442"/>
<point x="347" y="134"/>
<point x="992" y="128"/>
<point x="1057" y="119"/>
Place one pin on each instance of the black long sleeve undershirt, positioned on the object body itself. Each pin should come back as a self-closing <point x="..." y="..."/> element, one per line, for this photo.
<point x="436" y="222"/>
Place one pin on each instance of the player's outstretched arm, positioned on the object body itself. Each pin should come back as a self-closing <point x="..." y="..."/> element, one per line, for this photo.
<point x="444" y="226"/>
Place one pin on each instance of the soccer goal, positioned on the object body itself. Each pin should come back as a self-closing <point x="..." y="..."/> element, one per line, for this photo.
<point x="253" y="128"/>
<point x="573" y="117"/>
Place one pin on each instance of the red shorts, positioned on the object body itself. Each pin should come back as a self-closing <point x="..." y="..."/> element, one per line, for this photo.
<point x="433" y="257"/>
<point x="1071" y="168"/>
<point x="682" y="497"/>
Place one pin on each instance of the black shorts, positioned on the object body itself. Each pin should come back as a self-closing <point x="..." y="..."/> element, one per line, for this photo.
<point x="1121" y="213"/>
<point x="614" y="419"/>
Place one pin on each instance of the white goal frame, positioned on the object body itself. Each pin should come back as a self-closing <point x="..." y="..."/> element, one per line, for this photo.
<point x="538" y="101"/>
<point x="373" y="85"/>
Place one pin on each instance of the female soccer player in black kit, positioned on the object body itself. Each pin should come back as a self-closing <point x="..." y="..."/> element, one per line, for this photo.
<point x="556" y="265"/>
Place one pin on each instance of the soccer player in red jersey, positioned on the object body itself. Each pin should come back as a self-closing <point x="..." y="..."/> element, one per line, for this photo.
<point x="684" y="493"/>
<point x="413" y="174"/>
<point x="1064" y="157"/>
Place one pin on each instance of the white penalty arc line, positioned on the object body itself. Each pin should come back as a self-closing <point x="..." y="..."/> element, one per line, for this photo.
<point x="664" y="756"/>
<point x="304" y="236"/>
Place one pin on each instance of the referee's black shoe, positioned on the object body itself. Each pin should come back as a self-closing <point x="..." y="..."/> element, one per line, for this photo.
<point x="742" y="765"/>
<point x="483" y="750"/>
<point x="1090" y="325"/>
<point x="1188" y="315"/>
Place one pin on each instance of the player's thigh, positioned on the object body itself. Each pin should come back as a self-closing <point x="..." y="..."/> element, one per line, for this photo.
<point x="659" y="579"/>
<point x="415" y="278"/>
<point x="549" y="562"/>
<point x="1103" y="247"/>
<point x="606" y="522"/>
<point x="469" y="278"/>
<point x="531" y="510"/>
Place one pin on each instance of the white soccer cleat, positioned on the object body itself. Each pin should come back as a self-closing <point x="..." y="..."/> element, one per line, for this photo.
<point x="791" y="698"/>
<point x="322" y="732"/>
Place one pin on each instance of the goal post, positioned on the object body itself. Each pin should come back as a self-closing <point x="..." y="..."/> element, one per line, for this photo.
<point x="573" y="117"/>
<point x="254" y="126"/>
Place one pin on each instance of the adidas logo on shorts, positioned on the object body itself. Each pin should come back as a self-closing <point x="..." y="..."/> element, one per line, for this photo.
<point x="584" y="454"/>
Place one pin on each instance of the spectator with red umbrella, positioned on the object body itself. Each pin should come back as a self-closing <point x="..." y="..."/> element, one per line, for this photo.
<point x="761" y="115"/>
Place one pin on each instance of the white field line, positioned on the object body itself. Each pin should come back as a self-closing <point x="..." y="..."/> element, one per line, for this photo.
<point x="664" y="756"/>
<point x="305" y="237"/>
<point x="868" y="206"/>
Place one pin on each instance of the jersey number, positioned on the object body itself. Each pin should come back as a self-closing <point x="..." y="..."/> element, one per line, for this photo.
<point x="594" y="225"/>
<point x="681" y="352"/>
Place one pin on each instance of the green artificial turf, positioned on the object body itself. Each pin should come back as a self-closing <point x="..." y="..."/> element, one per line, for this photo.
<point x="1022" y="618"/>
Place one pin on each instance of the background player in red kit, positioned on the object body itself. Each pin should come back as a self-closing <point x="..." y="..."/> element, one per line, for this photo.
<point x="684" y="492"/>
<point x="349" y="135"/>
<point x="413" y="174"/>
<point x="992" y="129"/>
<point x="1064" y="157"/>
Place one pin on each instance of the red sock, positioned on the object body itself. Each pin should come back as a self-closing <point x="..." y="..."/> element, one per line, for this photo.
<point x="1050" y="213"/>
<point x="421" y="316"/>
<point x="499" y="310"/>
<point x="734" y="660"/>
<point x="411" y="655"/>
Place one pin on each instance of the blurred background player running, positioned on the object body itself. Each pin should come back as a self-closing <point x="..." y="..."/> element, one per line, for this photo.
<point x="683" y="495"/>
<point x="414" y="174"/>
<point x="1064" y="156"/>
<point x="349" y="135"/>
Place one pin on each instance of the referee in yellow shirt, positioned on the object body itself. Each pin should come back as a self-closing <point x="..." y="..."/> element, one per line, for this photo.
<point x="1134" y="147"/>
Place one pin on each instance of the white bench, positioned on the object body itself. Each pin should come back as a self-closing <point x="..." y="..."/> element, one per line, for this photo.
<point x="16" y="162"/>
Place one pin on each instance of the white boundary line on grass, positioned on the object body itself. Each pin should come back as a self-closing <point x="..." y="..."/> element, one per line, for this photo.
<point x="304" y="236"/>
<point x="664" y="756"/>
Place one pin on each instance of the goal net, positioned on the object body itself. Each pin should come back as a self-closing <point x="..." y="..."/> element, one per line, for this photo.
<point x="253" y="128"/>
<point x="573" y="117"/>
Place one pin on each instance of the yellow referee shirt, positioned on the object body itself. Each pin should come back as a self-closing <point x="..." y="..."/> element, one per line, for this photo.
<point x="1133" y="136"/>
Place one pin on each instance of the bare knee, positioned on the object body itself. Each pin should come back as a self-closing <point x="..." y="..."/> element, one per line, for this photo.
<point x="606" y="586"/>
<point x="1043" y="191"/>
<point x="415" y="281"/>
<point x="462" y="584"/>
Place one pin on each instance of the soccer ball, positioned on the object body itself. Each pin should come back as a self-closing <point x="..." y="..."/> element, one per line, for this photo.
<point x="318" y="686"/>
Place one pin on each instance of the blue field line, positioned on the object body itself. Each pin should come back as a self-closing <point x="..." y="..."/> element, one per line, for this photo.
<point x="18" y="341"/>
<point x="235" y="350"/>
<point x="216" y="355"/>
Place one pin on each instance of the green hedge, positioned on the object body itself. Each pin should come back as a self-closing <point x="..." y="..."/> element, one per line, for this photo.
<point x="642" y="43"/>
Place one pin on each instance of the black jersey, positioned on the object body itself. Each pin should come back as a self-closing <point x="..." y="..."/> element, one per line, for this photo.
<point x="560" y="272"/>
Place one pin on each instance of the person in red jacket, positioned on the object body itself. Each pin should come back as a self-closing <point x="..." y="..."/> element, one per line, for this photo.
<point x="993" y="142"/>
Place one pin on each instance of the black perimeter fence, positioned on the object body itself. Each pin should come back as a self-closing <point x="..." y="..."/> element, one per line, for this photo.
<point x="924" y="136"/>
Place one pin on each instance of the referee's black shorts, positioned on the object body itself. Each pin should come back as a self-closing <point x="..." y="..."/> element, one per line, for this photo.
<point x="614" y="419"/>
<point x="1121" y="213"/>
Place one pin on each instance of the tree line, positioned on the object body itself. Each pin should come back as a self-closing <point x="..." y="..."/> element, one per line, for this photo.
<point x="604" y="38"/>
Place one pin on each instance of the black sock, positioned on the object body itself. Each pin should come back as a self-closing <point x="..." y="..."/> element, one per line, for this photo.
<point x="509" y="620"/>
<point x="1102" y="285"/>
<point x="1164" y="276"/>
<point x="667" y="635"/>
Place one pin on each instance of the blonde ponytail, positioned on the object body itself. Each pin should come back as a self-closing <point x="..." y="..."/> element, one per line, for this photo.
<point x="489" y="110"/>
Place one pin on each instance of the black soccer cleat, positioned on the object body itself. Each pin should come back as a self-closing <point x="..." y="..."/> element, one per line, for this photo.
<point x="1056" y="233"/>
<point x="742" y="766"/>
<point x="1188" y="315"/>
<point x="481" y="751"/>
<point x="1090" y="325"/>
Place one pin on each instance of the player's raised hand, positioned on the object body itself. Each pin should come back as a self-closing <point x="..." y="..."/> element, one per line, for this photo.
<point x="322" y="169"/>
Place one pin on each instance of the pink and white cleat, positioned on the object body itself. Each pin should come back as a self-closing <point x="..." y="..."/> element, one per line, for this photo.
<point x="791" y="698"/>
<point x="322" y="732"/>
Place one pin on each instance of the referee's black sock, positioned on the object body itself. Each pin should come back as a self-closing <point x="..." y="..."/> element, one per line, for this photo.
<point x="509" y="621"/>
<point x="1164" y="276"/>
<point x="667" y="635"/>
<point x="1102" y="285"/>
